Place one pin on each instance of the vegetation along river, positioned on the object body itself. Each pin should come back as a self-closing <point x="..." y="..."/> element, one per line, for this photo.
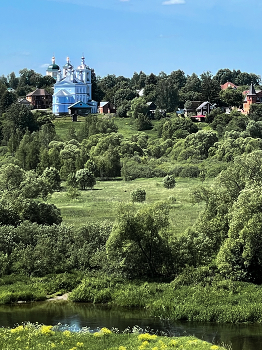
<point x="76" y="315"/>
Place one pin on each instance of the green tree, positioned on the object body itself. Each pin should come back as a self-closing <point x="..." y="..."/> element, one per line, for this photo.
<point x="11" y="177"/>
<point x="240" y="256"/>
<point x="232" y="97"/>
<point x="52" y="177"/>
<point x="6" y="100"/>
<point x="137" y="245"/>
<point x="138" y="105"/>
<point x="167" y="95"/>
<point x="84" y="179"/>
<point x="210" y="88"/>
<point x="41" y="213"/>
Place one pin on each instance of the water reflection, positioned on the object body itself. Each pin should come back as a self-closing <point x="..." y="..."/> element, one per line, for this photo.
<point x="240" y="337"/>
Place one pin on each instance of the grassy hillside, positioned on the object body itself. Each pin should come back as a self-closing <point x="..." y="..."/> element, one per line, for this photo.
<point x="125" y="126"/>
<point x="102" y="202"/>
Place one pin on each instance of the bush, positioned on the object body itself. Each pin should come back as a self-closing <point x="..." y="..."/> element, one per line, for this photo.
<point x="169" y="181"/>
<point x="190" y="171"/>
<point x="138" y="195"/>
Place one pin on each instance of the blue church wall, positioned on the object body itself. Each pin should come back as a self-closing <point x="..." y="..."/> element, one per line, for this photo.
<point x="73" y="86"/>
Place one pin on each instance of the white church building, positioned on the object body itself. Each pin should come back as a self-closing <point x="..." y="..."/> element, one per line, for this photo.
<point x="73" y="89"/>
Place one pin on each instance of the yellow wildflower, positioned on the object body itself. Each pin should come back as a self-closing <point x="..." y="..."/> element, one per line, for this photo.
<point x="47" y="330"/>
<point x="173" y="343"/>
<point x="105" y="330"/>
<point x="144" y="345"/>
<point x="98" y="334"/>
<point x="122" y="348"/>
<point x="17" y="329"/>
<point x="53" y="345"/>
<point x="67" y="333"/>
<point x="147" y="336"/>
<point x="80" y="345"/>
<point x="214" y="347"/>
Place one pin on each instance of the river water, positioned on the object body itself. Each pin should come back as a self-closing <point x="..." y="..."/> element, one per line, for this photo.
<point x="76" y="316"/>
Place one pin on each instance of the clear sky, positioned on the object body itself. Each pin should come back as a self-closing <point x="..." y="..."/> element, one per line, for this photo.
<point x="123" y="36"/>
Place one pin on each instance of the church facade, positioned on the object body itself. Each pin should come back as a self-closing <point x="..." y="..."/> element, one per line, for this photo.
<point x="73" y="88"/>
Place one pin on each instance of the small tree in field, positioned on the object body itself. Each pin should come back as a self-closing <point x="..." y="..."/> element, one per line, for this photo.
<point x="169" y="181"/>
<point x="85" y="178"/>
<point x="138" y="195"/>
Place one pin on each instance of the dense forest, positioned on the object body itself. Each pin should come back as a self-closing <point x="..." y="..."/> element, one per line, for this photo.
<point x="224" y="153"/>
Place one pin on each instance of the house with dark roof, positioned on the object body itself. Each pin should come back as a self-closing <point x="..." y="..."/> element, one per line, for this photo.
<point x="79" y="108"/>
<point x="202" y="111"/>
<point x="24" y="101"/>
<point x="192" y="108"/>
<point x="40" y="99"/>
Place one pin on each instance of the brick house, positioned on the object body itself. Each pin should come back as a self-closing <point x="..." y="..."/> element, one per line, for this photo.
<point x="251" y="96"/>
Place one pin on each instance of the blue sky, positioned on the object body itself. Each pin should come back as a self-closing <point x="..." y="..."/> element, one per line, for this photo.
<point x="121" y="37"/>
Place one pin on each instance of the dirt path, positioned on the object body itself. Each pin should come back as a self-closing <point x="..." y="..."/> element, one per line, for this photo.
<point x="60" y="297"/>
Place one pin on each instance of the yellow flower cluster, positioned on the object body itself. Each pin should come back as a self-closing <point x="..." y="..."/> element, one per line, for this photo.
<point x="103" y="331"/>
<point x="147" y="336"/>
<point x="47" y="330"/>
<point x="98" y="334"/>
<point x="79" y="345"/>
<point x="67" y="333"/>
<point x="144" y="345"/>
<point x="214" y="347"/>
<point x="17" y="329"/>
<point x="122" y="348"/>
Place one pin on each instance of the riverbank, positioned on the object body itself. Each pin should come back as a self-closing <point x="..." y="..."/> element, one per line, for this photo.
<point x="189" y="297"/>
<point x="30" y="336"/>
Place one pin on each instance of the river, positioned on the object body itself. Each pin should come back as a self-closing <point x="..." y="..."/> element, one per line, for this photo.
<point x="76" y="316"/>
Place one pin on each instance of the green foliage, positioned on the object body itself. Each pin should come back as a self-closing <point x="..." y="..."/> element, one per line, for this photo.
<point x="138" y="106"/>
<point x="136" y="168"/>
<point x="95" y="125"/>
<point x="84" y="178"/>
<point x="138" y="195"/>
<point x="176" y="127"/>
<point x="240" y="255"/>
<point x="52" y="176"/>
<point x="142" y="122"/>
<point x="11" y="177"/>
<point x="232" y="97"/>
<point x="138" y="239"/>
<point x="169" y="181"/>
<point x="41" y="213"/>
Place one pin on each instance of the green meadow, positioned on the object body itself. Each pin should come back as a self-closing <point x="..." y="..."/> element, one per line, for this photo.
<point x="103" y="201"/>
<point x="126" y="126"/>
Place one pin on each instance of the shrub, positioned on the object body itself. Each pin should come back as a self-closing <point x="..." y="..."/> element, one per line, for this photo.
<point x="169" y="181"/>
<point x="138" y="195"/>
